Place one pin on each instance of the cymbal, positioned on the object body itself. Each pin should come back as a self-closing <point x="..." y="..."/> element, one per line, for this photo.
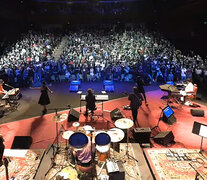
<point x="76" y="124"/>
<point x="60" y="117"/>
<point x="66" y="135"/>
<point x="124" y="123"/>
<point x="116" y="134"/>
<point x="69" y="173"/>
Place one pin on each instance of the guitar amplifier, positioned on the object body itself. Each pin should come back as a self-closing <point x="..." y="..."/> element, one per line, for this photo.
<point x="142" y="135"/>
<point x="116" y="114"/>
<point x="164" y="138"/>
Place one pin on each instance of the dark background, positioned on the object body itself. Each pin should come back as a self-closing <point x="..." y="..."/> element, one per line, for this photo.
<point x="183" y="22"/>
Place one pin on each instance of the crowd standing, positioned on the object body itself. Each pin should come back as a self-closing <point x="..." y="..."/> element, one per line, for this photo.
<point x="95" y="55"/>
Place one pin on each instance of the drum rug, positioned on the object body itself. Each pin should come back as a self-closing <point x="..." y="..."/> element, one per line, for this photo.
<point x="177" y="163"/>
<point x="22" y="168"/>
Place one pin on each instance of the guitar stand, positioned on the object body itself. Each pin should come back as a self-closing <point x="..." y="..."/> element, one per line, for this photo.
<point x="157" y="126"/>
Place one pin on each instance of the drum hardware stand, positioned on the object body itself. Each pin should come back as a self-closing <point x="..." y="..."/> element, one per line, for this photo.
<point x="127" y="148"/>
<point x="57" y="133"/>
<point x="67" y="152"/>
<point x="92" y="160"/>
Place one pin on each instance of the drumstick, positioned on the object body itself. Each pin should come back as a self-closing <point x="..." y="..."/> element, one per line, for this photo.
<point x="101" y="169"/>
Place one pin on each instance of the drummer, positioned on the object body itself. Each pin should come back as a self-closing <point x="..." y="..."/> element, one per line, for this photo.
<point x="84" y="157"/>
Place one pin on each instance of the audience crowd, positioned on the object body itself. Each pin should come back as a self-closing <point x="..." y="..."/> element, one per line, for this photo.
<point x="95" y="55"/>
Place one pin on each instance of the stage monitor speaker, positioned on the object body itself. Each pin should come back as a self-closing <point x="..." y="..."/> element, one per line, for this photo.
<point x="116" y="114"/>
<point x="164" y="137"/>
<point x="22" y="142"/>
<point x="74" y="88"/>
<point x="142" y="135"/>
<point x="73" y="115"/>
<point x="109" y="88"/>
<point x="197" y="112"/>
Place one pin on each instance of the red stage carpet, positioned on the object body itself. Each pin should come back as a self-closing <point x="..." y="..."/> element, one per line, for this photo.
<point x="43" y="129"/>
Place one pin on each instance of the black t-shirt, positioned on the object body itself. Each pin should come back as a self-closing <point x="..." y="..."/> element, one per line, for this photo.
<point x="90" y="102"/>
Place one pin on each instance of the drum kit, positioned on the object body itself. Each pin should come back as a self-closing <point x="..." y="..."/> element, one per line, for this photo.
<point x="102" y="139"/>
<point x="79" y="139"/>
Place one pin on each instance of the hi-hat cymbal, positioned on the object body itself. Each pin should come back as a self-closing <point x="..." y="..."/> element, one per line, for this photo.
<point x="124" y="123"/>
<point x="60" y="117"/>
<point x="116" y="134"/>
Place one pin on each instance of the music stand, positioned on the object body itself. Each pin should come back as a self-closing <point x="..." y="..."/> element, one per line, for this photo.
<point x="80" y="93"/>
<point x="201" y="130"/>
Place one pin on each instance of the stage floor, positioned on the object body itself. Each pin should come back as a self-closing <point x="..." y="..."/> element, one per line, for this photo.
<point x="177" y="163"/>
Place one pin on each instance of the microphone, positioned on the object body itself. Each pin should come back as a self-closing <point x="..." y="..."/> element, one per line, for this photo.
<point x="9" y="86"/>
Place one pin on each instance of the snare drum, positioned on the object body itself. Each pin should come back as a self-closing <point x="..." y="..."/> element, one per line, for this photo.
<point x="103" y="152"/>
<point x="78" y="140"/>
<point x="88" y="129"/>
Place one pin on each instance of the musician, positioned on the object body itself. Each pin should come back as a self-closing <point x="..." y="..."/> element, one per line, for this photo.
<point x="44" y="99"/>
<point x="135" y="102"/>
<point x="90" y="102"/>
<point x="189" y="88"/>
<point x="84" y="157"/>
<point x="2" y="147"/>
<point x="140" y="87"/>
<point x="3" y="92"/>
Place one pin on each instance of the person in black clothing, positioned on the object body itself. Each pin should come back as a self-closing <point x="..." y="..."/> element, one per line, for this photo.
<point x="140" y="87"/>
<point x="135" y="102"/>
<point x="90" y="102"/>
<point x="44" y="99"/>
<point x="2" y="147"/>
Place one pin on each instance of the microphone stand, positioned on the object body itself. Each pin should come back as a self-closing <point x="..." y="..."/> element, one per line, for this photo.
<point x="9" y="86"/>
